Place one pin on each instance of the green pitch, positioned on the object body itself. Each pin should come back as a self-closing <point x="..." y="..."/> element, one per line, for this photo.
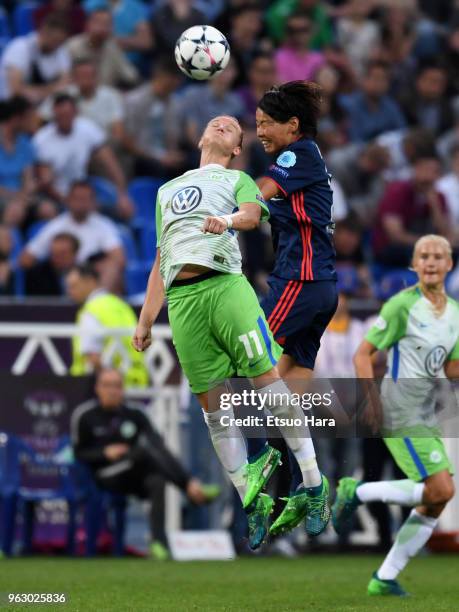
<point x="315" y="583"/>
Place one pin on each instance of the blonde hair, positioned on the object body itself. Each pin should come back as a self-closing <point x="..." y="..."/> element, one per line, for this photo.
<point x="440" y="240"/>
<point x="443" y="242"/>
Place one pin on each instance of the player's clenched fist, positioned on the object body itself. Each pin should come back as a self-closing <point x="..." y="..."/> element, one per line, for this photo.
<point x="214" y="225"/>
<point x="141" y="339"/>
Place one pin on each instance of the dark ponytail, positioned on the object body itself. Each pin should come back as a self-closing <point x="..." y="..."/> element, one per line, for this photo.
<point x="301" y="99"/>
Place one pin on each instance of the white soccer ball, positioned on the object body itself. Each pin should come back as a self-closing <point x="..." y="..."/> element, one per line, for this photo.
<point x="202" y="52"/>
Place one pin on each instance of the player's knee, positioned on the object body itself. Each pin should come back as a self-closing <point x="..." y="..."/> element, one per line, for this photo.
<point x="440" y="494"/>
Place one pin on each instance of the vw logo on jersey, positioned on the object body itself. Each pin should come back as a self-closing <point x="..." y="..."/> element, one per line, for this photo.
<point x="287" y="159"/>
<point x="435" y="360"/>
<point x="186" y="200"/>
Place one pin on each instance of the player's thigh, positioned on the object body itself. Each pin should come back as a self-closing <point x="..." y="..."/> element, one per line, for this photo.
<point x="201" y="357"/>
<point x="419" y="458"/>
<point x="240" y="327"/>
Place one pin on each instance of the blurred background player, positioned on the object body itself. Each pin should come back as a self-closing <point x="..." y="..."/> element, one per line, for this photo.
<point x="302" y="295"/>
<point x="99" y="313"/>
<point x="127" y="455"/>
<point x="198" y="264"/>
<point x="420" y="328"/>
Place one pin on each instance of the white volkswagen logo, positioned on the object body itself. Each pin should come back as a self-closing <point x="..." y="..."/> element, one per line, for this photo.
<point x="435" y="360"/>
<point x="186" y="200"/>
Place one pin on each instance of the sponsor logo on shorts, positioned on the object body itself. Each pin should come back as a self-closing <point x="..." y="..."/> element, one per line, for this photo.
<point x="435" y="360"/>
<point x="186" y="200"/>
<point x="435" y="456"/>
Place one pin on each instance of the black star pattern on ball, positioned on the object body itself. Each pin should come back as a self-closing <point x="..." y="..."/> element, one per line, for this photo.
<point x="187" y="64"/>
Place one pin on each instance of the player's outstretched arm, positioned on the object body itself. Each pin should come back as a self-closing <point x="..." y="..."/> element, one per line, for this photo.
<point x="363" y="364"/>
<point x="247" y="218"/>
<point x="154" y="299"/>
<point x="452" y="369"/>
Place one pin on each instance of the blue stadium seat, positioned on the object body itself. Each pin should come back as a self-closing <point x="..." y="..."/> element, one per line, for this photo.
<point x="23" y="18"/>
<point x="136" y="277"/>
<point x="105" y="191"/>
<point x="148" y="242"/>
<point x="143" y="193"/>
<point x="393" y="282"/>
<point x="130" y="247"/>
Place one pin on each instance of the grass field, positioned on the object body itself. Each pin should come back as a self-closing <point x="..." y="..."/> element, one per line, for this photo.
<point x="315" y="582"/>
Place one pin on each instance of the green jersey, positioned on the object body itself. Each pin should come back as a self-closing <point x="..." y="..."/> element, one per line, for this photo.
<point x="419" y="342"/>
<point x="182" y="206"/>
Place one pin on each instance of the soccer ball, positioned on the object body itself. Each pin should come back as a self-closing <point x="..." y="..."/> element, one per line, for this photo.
<point x="202" y="52"/>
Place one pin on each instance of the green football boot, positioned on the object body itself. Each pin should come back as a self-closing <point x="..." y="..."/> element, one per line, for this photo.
<point x="318" y="511"/>
<point x="159" y="552"/>
<point x="345" y="504"/>
<point x="376" y="586"/>
<point x="259" y="472"/>
<point x="258" y="520"/>
<point x="294" y="512"/>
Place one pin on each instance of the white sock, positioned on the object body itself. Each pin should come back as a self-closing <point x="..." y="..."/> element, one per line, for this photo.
<point x="297" y="437"/>
<point x="413" y="534"/>
<point x="230" y="447"/>
<point x="403" y="492"/>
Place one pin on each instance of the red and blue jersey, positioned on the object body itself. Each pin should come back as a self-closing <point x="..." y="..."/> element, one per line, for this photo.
<point x="301" y="214"/>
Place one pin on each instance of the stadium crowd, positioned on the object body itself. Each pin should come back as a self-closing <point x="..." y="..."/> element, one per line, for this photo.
<point x="90" y="94"/>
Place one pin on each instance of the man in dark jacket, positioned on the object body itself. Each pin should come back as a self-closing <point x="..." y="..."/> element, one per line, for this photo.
<point x="127" y="455"/>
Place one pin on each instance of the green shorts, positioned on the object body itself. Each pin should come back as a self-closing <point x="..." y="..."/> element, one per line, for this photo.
<point x="419" y="457"/>
<point x="219" y="331"/>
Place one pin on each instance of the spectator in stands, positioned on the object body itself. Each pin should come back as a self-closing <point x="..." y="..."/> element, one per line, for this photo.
<point x="16" y="159"/>
<point x="261" y="77"/>
<point x="350" y="256"/>
<point x="128" y="456"/>
<point x="130" y="26"/>
<point x="152" y="131"/>
<point x="408" y="210"/>
<point x="100" y="103"/>
<point x="359" y="170"/>
<point x="96" y="345"/>
<point x="448" y="186"/>
<point x="425" y="104"/>
<point x="47" y="277"/>
<point x="36" y="65"/>
<point x="370" y="110"/>
<point x="67" y="10"/>
<point x="332" y="127"/>
<point x="280" y="10"/>
<point x="357" y="35"/>
<point x="171" y="19"/>
<point x="98" y="236"/>
<point x="200" y="103"/>
<point x="98" y="44"/>
<point x="244" y="37"/>
<point x="66" y="146"/>
<point x="6" y="270"/>
<point x="294" y="59"/>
